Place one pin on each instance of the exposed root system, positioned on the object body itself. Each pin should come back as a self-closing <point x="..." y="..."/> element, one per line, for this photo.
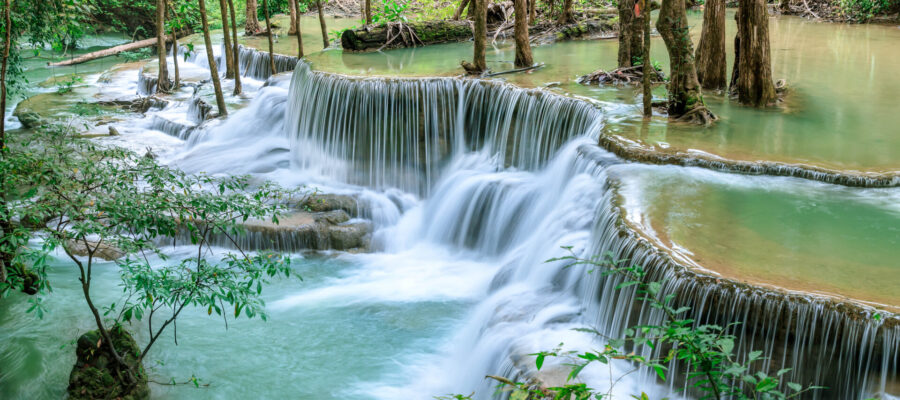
<point x="621" y="76"/>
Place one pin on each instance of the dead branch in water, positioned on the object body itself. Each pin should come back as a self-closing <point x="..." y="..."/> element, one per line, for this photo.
<point x="625" y="75"/>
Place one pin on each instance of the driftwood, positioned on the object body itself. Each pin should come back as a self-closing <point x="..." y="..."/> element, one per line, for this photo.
<point x="619" y="76"/>
<point x="109" y="52"/>
<point x="397" y="34"/>
<point x="512" y="71"/>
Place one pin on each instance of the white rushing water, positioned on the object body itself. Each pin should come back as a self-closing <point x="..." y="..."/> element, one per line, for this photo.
<point x="471" y="187"/>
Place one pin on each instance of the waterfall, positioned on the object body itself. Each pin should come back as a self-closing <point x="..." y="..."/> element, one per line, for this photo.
<point x="401" y="132"/>
<point x="506" y="176"/>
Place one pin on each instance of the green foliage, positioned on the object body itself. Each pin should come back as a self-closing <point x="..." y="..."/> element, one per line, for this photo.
<point x="864" y="10"/>
<point x="392" y="12"/>
<point x="705" y="351"/>
<point x="77" y="194"/>
<point x="136" y="55"/>
<point x="67" y="85"/>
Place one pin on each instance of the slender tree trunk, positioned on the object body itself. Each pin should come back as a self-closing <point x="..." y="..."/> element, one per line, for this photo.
<point x="229" y="51"/>
<point x="237" y="50"/>
<point x="480" y="35"/>
<point x="755" y="86"/>
<point x="297" y="30"/>
<point x="567" y="16"/>
<point x="162" y="84"/>
<point x="5" y="225"/>
<point x="630" y="37"/>
<point x="735" y="68"/>
<point x="175" y="59"/>
<point x="368" y="12"/>
<point x="712" y="67"/>
<point x="532" y="11"/>
<point x="251" y="25"/>
<point x="269" y="35"/>
<point x="213" y="71"/>
<point x="362" y="12"/>
<point x="523" y="47"/>
<point x="325" y="41"/>
<point x="459" y="10"/>
<point x="294" y="8"/>
<point x="685" y="96"/>
<point x="648" y="67"/>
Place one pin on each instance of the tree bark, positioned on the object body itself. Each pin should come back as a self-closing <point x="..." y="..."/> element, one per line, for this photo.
<point x="229" y="51"/>
<point x="237" y="51"/>
<point x="480" y="36"/>
<point x="648" y="95"/>
<point x="213" y="71"/>
<point x="755" y="86"/>
<point x="269" y="35"/>
<point x="567" y="16"/>
<point x="523" y="47"/>
<point x="368" y="12"/>
<point x="251" y="25"/>
<point x="163" y="81"/>
<point x="630" y="37"/>
<point x="5" y="225"/>
<point x="532" y="11"/>
<point x="175" y="59"/>
<point x="459" y="10"/>
<point x="293" y="7"/>
<point x="297" y="31"/>
<point x="325" y="41"/>
<point x="712" y="67"/>
<point x="735" y="70"/>
<point x="108" y="52"/>
<point x="684" y="89"/>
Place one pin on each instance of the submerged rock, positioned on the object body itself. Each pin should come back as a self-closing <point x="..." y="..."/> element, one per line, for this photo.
<point x="330" y="202"/>
<point x="95" y="373"/>
<point x="103" y="251"/>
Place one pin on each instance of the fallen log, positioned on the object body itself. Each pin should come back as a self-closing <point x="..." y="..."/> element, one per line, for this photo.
<point x="427" y="32"/>
<point x="109" y="52"/>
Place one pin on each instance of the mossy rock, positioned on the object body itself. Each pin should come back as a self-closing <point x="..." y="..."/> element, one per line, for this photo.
<point x="96" y="375"/>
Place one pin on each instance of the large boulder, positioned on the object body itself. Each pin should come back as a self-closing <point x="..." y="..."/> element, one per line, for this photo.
<point x="96" y="374"/>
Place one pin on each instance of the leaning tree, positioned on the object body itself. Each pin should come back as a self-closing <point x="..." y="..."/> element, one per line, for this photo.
<point x="685" y="97"/>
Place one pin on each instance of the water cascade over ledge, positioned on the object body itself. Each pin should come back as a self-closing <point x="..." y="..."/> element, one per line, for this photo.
<point x="507" y="176"/>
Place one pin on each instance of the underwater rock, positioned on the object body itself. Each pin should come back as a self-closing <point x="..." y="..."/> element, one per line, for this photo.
<point x="330" y="202"/>
<point x="93" y="375"/>
<point x="102" y="250"/>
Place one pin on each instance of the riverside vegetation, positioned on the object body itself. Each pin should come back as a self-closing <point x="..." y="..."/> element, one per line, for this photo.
<point x="65" y="195"/>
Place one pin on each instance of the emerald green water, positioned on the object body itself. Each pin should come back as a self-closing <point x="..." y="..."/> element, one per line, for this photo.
<point x="783" y="232"/>
<point x="840" y="114"/>
<point x="364" y="335"/>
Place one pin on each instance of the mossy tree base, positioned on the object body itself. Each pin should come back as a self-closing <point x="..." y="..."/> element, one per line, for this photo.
<point x="96" y="374"/>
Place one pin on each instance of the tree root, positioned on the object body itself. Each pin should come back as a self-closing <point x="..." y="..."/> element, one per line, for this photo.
<point x="699" y="115"/>
<point x="403" y="31"/>
<point x="621" y="76"/>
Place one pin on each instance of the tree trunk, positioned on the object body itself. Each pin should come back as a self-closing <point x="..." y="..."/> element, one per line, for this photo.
<point x="480" y="36"/>
<point x="269" y="35"/>
<point x="5" y="225"/>
<point x="237" y="51"/>
<point x="648" y="95"/>
<point x="293" y="6"/>
<point x="754" y="85"/>
<point x="567" y="15"/>
<point x="459" y="10"/>
<point x="175" y="59"/>
<point x="430" y="32"/>
<point x="685" y="97"/>
<point x="163" y="81"/>
<point x="251" y="25"/>
<point x="108" y="52"/>
<point x="213" y="71"/>
<point x="229" y="51"/>
<point x="712" y="67"/>
<point x="630" y="37"/>
<point x="523" y="47"/>
<point x="735" y="68"/>
<point x="325" y="41"/>
<point x="297" y="31"/>
<point x="532" y="11"/>
<point x="368" y="12"/>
